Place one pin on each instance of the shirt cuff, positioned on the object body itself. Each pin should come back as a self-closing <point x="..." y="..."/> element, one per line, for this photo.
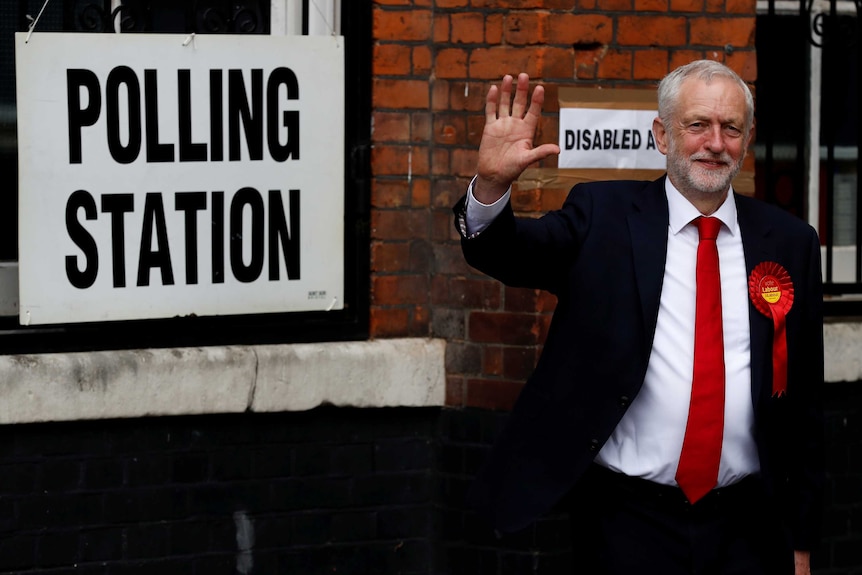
<point x="479" y="216"/>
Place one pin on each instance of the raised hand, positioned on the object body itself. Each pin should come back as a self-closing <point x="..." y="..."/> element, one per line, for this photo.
<point x="506" y="148"/>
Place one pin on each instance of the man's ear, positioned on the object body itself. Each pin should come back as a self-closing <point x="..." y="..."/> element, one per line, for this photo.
<point x="660" y="135"/>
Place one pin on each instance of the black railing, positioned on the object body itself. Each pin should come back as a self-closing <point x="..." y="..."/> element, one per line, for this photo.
<point x="199" y="16"/>
<point x="796" y="93"/>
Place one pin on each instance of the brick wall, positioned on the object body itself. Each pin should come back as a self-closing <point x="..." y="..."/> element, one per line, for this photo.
<point x="433" y="64"/>
<point x="325" y="491"/>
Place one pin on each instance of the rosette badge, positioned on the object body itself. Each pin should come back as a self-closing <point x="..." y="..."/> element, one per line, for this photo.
<point x="771" y="291"/>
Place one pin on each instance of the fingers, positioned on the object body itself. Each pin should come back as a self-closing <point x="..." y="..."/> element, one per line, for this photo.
<point x="499" y="100"/>
<point x="491" y="105"/>
<point x="536" y="103"/>
<point x="505" y="96"/>
<point x="539" y="153"/>
<point x="523" y="88"/>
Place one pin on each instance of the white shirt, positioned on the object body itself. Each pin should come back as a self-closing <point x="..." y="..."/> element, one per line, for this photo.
<point x="648" y="440"/>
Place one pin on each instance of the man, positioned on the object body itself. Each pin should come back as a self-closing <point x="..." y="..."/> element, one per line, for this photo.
<point x="675" y="407"/>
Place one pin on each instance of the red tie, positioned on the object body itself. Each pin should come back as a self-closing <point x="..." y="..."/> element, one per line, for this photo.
<point x="697" y="473"/>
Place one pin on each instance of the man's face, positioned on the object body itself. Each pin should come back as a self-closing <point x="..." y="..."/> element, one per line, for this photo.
<point x="706" y="140"/>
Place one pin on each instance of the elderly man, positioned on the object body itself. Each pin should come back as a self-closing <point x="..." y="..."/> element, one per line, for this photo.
<point x="675" y="408"/>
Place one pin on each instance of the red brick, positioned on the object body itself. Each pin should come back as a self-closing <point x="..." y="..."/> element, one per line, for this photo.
<point x="651" y="5"/>
<point x="456" y="391"/>
<point x="390" y="193"/>
<point x="390" y="127"/>
<point x="389" y="159"/>
<point x="448" y="259"/>
<point x="467" y="28"/>
<point x="451" y="63"/>
<point x="388" y="322"/>
<point x="420" y="127"/>
<point x="737" y="32"/>
<point x="474" y="293"/>
<point x="651" y="31"/>
<point x="650" y="64"/>
<point x="686" y="5"/>
<point x="399" y="224"/>
<point x="440" y="95"/>
<point x="548" y="132"/>
<point x="420" y="322"/>
<point x="581" y="29"/>
<point x="445" y="193"/>
<point x="442" y="28"/>
<point x="420" y="196"/>
<point x="400" y="94"/>
<point x="399" y="289"/>
<point x="494" y="29"/>
<point x="422" y="61"/>
<point x="442" y="228"/>
<point x="519" y="362"/>
<point x="553" y="198"/>
<point x="475" y="127"/>
<point x="614" y="5"/>
<point x="450" y="129"/>
<point x="402" y="25"/>
<point x="451" y="3"/>
<point x="741" y="7"/>
<point x="682" y="57"/>
<point x="744" y="63"/>
<point x="587" y="62"/>
<point x="520" y="299"/>
<point x="464" y="162"/>
<point x="546" y="303"/>
<point x="390" y="257"/>
<point x="390" y="60"/>
<point x="615" y="65"/>
<point x="440" y="165"/>
<point x="557" y="63"/>
<point x="525" y="28"/>
<point x="511" y="4"/>
<point x="469" y="96"/>
<point x="492" y="360"/>
<point x="510" y="328"/>
<point x="492" y="63"/>
<point x="526" y="200"/>
<point x="493" y="394"/>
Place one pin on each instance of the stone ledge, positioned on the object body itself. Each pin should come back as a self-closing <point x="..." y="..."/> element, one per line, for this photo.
<point x="231" y="379"/>
<point x="842" y="343"/>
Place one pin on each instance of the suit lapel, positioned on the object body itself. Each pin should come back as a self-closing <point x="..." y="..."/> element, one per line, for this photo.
<point x="757" y="246"/>
<point x="648" y="225"/>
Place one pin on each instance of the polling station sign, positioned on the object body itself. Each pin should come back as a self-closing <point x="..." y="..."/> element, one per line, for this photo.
<point x="608" y="128"/>
<point x="173" y="175"/>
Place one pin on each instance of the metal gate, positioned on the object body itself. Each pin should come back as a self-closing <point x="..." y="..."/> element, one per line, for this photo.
<point x="809" y="128"/>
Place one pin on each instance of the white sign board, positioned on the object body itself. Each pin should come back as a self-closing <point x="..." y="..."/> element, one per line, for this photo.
<point x="165" y="175"/>
<point x="608" y="138"/>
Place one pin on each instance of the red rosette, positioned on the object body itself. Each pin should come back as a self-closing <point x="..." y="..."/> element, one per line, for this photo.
<point x="771" y="292"/>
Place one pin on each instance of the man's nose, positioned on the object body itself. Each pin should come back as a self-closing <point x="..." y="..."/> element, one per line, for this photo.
<point x="715" y="139"/>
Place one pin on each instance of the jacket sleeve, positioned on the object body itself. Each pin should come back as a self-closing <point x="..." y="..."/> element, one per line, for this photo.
<point x="528" y="252"/>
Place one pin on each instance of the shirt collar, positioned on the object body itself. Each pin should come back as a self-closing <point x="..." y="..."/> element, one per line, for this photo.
<point x="682" y="212"/>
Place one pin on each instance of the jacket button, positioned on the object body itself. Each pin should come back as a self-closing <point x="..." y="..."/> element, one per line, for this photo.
<point x="625" y="400"/>
<point x="594" y="445"/>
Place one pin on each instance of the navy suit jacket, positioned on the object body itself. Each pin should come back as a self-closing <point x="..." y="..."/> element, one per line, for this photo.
<point x="603" y="255"/>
